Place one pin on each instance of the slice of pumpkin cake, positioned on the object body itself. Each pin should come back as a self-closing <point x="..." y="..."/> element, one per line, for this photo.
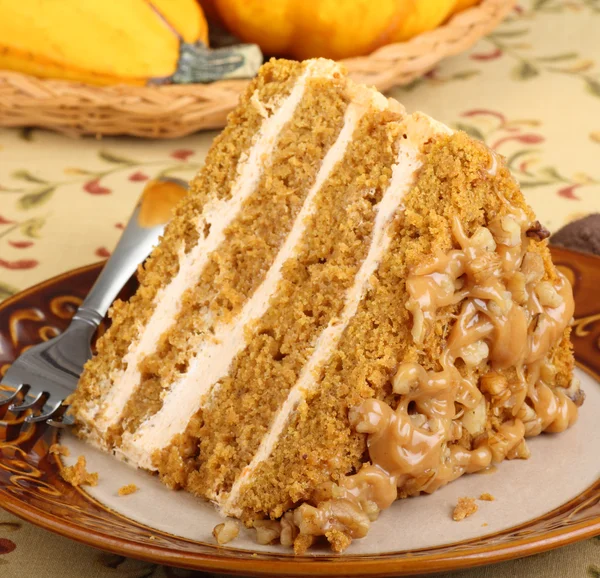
<point x="351" y="305"/>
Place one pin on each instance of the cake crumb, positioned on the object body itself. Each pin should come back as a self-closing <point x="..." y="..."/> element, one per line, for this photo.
<point x="226" y="532"/>
<point x="128" y="489"/>
<point x="338" y="540"/>
<point x="464" y="508"/>
<point x="485" y="497"/>
<point x="484" y="524"/>
<point x="302" y="543"/>
<point x="57" y="449"/>
<point x="77" y="475"/>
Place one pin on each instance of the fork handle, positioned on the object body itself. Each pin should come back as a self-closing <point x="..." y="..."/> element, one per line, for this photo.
<point x="141" y="234"/>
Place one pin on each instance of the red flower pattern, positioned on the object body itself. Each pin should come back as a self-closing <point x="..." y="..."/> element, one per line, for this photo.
<point x="496" y="53"/>
<point x="4" y="221"/>
<point x="95" y="188"/>
<point x="485" y="112"/>
<point x="20" y="244"/>
<point x="102" y="252"/>
<point x="20" y="264"/>
<point x="138" y="176"/>
<point x="182" y="154"/>
<point x="569" y="192"/>
<point x="6" y="546"/>
<point x="522" y="138"/>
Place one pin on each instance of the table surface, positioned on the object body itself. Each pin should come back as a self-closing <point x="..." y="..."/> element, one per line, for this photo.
<point x="531" y="90"/>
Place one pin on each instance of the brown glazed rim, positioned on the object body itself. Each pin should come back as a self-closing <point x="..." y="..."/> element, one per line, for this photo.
<point x="583" y="271"/>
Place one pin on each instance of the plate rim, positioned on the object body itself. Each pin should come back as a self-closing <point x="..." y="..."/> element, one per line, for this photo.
<point x="268" y="564"/>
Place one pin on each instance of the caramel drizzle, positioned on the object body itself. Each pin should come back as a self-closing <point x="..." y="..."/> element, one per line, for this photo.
<point x="509" y="317"/>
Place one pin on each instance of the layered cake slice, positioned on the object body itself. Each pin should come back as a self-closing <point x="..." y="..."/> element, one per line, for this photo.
<point x="352" y="305"/>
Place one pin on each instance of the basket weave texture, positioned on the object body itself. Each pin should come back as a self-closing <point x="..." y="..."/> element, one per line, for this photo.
<point x="177" y="110"/>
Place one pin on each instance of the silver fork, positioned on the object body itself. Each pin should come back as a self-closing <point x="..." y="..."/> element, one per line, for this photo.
<point x="51" y="369"/>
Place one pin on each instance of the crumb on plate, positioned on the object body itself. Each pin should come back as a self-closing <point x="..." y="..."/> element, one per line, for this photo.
<point x="128" y="489"/>
<point x="464" y="508"/>
<point x="487" y="497"/>
<point x="226" y="532"/>
<point x="57" y="449"/>
<point x="77" y="475"/>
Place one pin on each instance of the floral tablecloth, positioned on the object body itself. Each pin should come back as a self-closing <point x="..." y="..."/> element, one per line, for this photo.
<point x="531" y="90"/>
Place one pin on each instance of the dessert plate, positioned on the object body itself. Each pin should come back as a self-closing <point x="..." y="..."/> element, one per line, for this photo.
<point x="547" y="501"/>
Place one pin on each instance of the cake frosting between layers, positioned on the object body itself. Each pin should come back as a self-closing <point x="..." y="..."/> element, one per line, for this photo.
<point x="351" y="306"/>
<point x="218" y="214"/>
<point x="213" y="360"/>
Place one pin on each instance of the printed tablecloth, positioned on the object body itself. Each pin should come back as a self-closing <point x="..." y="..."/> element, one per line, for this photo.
<point x="531" y="90"/>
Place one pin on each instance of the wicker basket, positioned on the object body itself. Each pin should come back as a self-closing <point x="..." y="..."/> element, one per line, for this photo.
<point x="177" y="110"/>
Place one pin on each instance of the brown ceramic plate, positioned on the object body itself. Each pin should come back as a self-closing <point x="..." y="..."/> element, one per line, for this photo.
<point x="547" y="501"/>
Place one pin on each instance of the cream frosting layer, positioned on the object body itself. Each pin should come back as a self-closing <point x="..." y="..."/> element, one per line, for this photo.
<point x="213" y="360"/>
<point x="403" y="173"/>
<point x="219" y="214"/>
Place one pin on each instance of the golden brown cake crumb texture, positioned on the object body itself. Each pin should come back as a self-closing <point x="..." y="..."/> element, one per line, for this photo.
<point x="128" y="489"/>
<point x="77" y="475"/>
<point x="464" y="508"/>
<point x="485" y="497"/>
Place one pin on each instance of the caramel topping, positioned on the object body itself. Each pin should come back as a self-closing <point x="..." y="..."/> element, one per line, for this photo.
<point x="510" y="317"/>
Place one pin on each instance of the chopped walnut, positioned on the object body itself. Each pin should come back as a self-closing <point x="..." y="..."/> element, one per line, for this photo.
<point x="77" y="475"/>
<point x="532" y="267"/>
<point x="506" y="231"/>
<point x="267" y="531"/>
<point x="226" y="532"/>
<point x="128" y="489"/>
<point x="289" y="531"/>
<point x="519" y="452"/>
<point x="574" y="392"/>
<point x="537" y="231"/>
<point x="57" y="449"/>
<point x="494" y="383"/>
<point x="547" y="294"/>
<point x="464" y="508"/>
<point x="483" y="239"/>
<point x="474" y="353"/>
<point x="474" y="420"/>
<point x="487" y="497"/>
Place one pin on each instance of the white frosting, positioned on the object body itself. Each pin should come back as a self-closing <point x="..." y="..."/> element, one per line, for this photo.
<point x="219" y="214"/>
<point x="402" y="177"/>
<point x="213" y="360"/>
<point x="494" y="167"/>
